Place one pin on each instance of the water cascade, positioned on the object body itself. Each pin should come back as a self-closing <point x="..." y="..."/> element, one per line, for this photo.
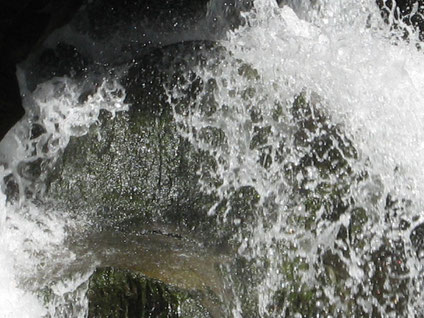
<point x="265" y="162"/>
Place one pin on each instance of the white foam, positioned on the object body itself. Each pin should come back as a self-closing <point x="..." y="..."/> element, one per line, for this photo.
<point x="32" y="238"/>
<point x="14" y="302"/>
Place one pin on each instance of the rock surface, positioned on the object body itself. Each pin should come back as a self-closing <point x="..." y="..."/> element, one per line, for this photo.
<point x="115" y="292"/>
<point x="151" y="273"/>
<point x="121" y="293"/>
<point x="173" y="260"/>
<point x="134" y="172"/>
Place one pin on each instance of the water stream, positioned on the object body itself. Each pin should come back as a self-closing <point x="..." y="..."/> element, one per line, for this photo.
<point x="313" y="114"/>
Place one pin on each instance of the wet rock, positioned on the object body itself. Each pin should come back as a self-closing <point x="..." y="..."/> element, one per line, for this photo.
<point x="328" y="151"/>
<point x="323" y="180"/>
<point x="173" y="260"/>
<point x="135" y="178"/>
<point x="134" y="172"/>
<point x="154" y="274"/>
<point x="116" y="292"/>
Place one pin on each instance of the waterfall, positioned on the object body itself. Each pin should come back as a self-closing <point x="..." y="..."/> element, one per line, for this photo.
<point x="310" y="116"/>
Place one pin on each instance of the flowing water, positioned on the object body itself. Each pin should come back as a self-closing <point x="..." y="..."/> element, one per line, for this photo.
<point x="315" y="114"/>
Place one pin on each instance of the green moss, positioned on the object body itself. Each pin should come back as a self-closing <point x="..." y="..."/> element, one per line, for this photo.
<point x="120" y="293"/>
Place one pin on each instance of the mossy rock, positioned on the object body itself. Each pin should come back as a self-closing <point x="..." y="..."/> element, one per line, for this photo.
<point x="118" y="293"/>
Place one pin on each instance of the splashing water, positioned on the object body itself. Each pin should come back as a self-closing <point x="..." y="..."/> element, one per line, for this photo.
<point x="32" y="237"/>
<point x="320" y="112"/>
<point x="313" y="117"/>
<point x="14" y="301"/>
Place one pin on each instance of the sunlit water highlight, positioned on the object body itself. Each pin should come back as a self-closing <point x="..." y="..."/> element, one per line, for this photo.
<point x="353" y="69"/>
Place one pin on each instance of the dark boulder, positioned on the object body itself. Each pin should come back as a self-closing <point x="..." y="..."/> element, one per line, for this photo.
<point x="143" y="175"/>
<point x="135" y="173"/>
